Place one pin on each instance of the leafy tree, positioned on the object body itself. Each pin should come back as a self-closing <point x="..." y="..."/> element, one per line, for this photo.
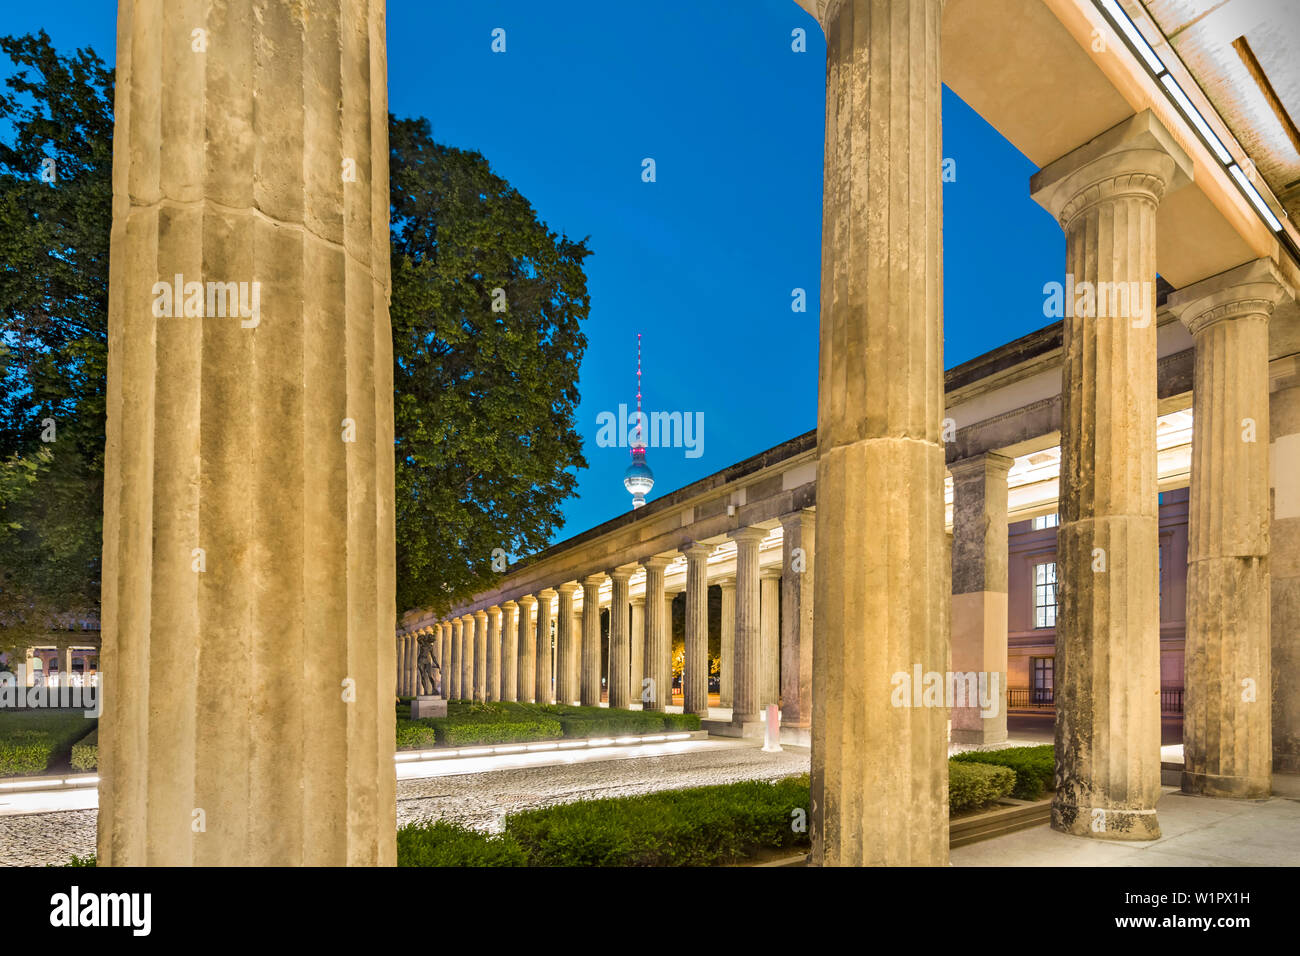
<point x="55" y="212"/>
<point x="484" y="399"/>
<point x="486" y="311"/>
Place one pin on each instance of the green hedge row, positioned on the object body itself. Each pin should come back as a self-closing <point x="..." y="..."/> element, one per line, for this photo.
<point x="30" y="740"/>
<point x="1034" y="767"/>
<point x="507" y="722"/>
<point x="85" y="752"/>
<point x="972" y="785"/>
<point x="702" y="826"/>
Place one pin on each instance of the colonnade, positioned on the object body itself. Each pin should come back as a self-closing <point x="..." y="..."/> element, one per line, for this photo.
<point x="545" y="647"/>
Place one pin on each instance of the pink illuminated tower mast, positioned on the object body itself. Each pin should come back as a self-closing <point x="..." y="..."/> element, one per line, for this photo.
<point x="638" y="479"/>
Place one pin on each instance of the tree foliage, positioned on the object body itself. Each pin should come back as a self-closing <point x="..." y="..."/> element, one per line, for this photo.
<point x="55" y="211"/>
<point x="487" y="305"/>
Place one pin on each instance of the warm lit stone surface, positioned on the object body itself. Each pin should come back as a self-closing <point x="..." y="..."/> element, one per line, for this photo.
<point x="769" y="638"/>
<point x="1107" y="678"/>
<point x="492" y="656"/>
<point x="620" y="641"/>
<point x="979" y="593"/>
<point x="747" y="673"/>
<point x="591" y="662"/>
<point x="255" y="694"/>
<point x="695" y="676"/>
<point x="879" y="772"/>
<point x="526" y="671"/>
<point x="566" y="648"/>
<point x="510" y="651"/>
<point x="727" y="651"/>
<point x="544" y="690"/>
<point x="658" y="649"/>
<point x="798" y="551"/>
<point x="1227" y="740"/>
<point x="1284" y="560"/>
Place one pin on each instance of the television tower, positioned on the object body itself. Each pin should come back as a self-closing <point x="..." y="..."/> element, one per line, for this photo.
<point x="638" y="479"/>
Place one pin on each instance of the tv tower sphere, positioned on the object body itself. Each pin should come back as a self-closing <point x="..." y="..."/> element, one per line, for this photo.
<point x="638" y="479"/>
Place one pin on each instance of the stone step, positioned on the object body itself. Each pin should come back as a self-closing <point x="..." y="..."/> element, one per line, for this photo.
<point x="1008" y="816"/>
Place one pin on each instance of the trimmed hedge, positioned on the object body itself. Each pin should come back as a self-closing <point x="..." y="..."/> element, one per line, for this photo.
<point x="440" y="843"/>
<point x="972" y="785"/>
<point x="30" y="740"/>
<point x="85" y="752"/>
<point x="1034" y="767"/>
<point x="505" y="722"/>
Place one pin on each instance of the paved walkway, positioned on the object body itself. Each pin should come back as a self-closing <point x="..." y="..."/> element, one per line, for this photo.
<point x="477" y="799"/>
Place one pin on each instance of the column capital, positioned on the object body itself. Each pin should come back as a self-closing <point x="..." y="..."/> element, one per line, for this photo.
<point x="636" y="600"/>
<point x="748" y="534"/>
<point x="657" y="563"/>
<point x="770" y="573"/>
<point x="622" y="573"/>
<point x="494" y="611"/>
<point x="698" y="549"/>
<point x="794" y="519"/>
<point x="480" y="615"/>
<point x="568" y="587"/>
<point x="729" y="582"/>
<point x="823" y="10"/>
<point x="594" y="580"/>
<point x="1137" y="157"/>
<point x="981" y="466"/>
<point x="547" y="593"/>
<point x="1253" y="288"/>
<point x="527" y="600"/>
<point x="509" y="606"/>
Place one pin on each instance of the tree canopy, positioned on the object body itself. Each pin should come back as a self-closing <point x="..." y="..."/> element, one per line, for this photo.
<point x="486" y="313"/>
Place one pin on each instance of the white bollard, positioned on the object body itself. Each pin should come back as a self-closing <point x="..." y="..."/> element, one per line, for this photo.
<point x="772" y="735"/>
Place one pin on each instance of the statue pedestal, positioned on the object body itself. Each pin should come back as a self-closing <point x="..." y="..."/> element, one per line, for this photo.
<point x="428" y="706"/>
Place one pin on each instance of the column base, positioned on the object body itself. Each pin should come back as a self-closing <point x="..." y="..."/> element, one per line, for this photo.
<point x="962" y="735"/>
<point x="1240" y="788"/>
<point x="1105" y="823"/>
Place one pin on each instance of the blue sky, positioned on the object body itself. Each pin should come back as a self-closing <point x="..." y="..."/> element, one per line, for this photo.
<point x="703" y="261"/>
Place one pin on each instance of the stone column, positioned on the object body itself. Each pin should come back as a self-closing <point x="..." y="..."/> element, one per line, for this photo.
<point x="240" y="523"/>
<point x="1227" y="739"/>
<point x="527" y="682"/>
<point x="727" y="649"/>
<point x="695" y="673"/>
<point x="1105" y="196"/>
<point x="657" y="663"/>
<point x="544" y="690"/>
<point x="401" y="663"/>
<point x="979" y="597"/>
<point x="746" y="690"/>
<point x="620" y="644"/>
<point x="879" y="771"/>
<point x="510" y="651"/>
<point x="769" y="637"/>
<point x="457" y="650"/>
<point x="480" y="655"/>
<point x="413" y="663"/>
<point x="492" y="657"/>
<point x="566" y="646"/>
<point x="636" y="663"/>
<point x="1284" y="559"/>
<point x="798" y="548"/>
<point x="467" y="658"/>
<point x="669" y="598"/>
<point x="591" y="640"/>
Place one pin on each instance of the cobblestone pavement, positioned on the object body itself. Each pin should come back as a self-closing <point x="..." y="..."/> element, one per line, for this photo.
<point x="480" y="800"/>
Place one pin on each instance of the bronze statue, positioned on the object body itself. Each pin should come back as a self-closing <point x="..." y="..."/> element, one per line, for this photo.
<point x="427" y="664"/>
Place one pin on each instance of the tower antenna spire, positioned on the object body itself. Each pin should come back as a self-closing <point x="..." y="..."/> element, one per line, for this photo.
<point x="638" y="479"/>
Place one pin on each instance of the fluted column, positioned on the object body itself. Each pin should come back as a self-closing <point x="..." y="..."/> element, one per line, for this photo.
<point x="566" y="646"/>
<point x="1227" y="738"/>
<point x="492" y="656"/>
<point x="727" y="646"/>
<point x="620" y="646"/>
<point x="527" y="669"/>
<point x="1284" y="559"/>
<point x="657" y="665"/>
<point x="879" y="771"/>
<point x="401" y="663"/>
<point x="239" y="525"/>
<point x="979" y="597"/>
<point x="769" y="637"/>
<point x="543" y="691"/>
<point x="457" y="654"/>
<point x="1107" y="679"/>
<point x="798" y="550"/>
<point x="695" y="673"/>
<point x="591" y="663"/>
<point x="636" y="662"/>
<point x="669" y="598"/>
<point x="746" y="688"/>
<point x="480" y="655"/>
<point x="467" y="658"/>
<point x="510" y="651"/>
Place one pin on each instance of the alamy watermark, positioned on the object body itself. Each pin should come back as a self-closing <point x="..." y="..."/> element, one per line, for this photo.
<point x="948" y="689"/>
<point x="1100" y="300"/>
<point x="652" y="430"/>
<point x="15" y="694"/>
<point x="212" y="300"/>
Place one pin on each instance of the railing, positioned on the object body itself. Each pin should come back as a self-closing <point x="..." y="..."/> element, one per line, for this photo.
<point x="1024" y="698"/>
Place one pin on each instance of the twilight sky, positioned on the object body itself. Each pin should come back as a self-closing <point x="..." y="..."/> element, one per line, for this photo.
<point x="703" y="261"/>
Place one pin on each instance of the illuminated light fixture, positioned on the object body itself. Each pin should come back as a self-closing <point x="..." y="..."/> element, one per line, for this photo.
<point x="573" y="744"/>
<point x="600" y="741"/>
<point x="543" y="746"/>
<point x="1208" y="136"/>
<point x="625" y="740"/>
<point x="1130" y="30"/>
<point x="512" y="749"/>
<point x="1193" y="114"/>
<point x="478" y="751"/>
<point x="678" y="737"/>
<point x="1255" y="198"/>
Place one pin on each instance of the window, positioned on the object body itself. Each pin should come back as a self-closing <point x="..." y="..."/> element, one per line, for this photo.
<point x="1046" y="521"/>
<point x="1041" y="680"/>
<point x="1045" y="595"/>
